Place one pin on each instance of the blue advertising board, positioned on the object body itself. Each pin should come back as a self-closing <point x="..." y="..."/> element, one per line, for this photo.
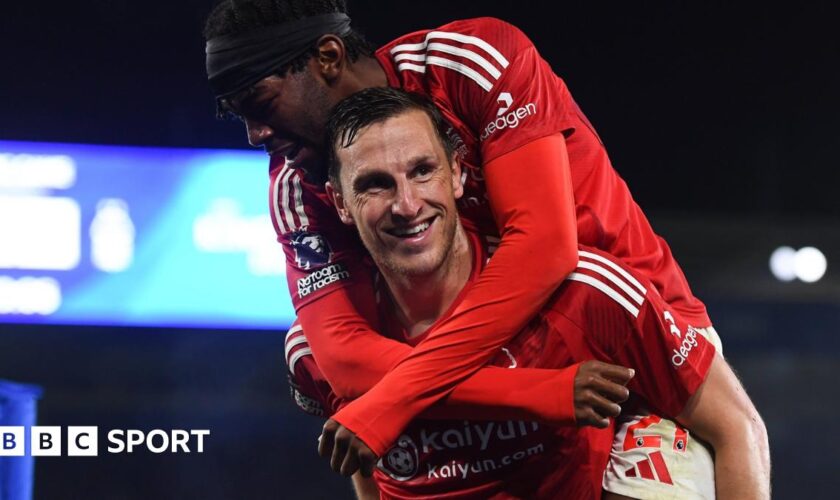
<point x="112" y="235"/>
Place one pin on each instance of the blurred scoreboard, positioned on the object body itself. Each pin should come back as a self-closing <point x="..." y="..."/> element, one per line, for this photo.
<point x="111" y="235"/>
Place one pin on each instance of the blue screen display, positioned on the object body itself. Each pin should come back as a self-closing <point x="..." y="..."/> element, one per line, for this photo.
<point x="112" y="235"/>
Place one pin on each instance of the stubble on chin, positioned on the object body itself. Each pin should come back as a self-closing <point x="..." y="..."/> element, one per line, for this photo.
<point x="407" y="268"/>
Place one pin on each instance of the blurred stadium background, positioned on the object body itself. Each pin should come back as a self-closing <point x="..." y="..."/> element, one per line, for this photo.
<point x="722" y="118"/>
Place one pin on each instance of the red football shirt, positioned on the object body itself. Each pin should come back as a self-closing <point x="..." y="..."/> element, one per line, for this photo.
<point x="498" y="95"/>
<point x="603" y="312"/>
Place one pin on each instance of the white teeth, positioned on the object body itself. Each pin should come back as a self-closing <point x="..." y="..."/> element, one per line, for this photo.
<point x="407" y="231"/>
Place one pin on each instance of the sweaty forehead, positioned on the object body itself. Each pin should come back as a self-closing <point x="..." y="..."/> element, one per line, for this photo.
<point x="392" y="145"/>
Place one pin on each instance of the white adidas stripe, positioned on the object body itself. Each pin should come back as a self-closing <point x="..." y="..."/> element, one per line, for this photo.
<point x="304" y="220"/>
<point x="400" y="54"/>
<point x="616" y="268"/>
<point x="281" y="227"/>
<point x="411" y="67"/>
<point x="446" y="63"/>
<point x="293" y="330"/>
<point x="600" y="285"/>
<point x="296" y="357"/>
<point x="458" y="37"/>
<point x="293" y="343"/>
<point x="455" y="51"/>
<point x="467" y="54"/>
<point x="410" y="57"/>
<point x="460" y="68"/>
<point x="290" y="220"/>
<point x="582" y="264"/>
<point x="288" y="191"/>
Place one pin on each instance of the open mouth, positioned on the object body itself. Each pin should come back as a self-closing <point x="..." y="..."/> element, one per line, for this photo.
<point x="411" y="231"/>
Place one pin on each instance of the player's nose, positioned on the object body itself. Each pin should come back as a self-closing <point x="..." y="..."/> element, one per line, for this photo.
<point x="258" y="133"/>
<point x="406" y="203"/>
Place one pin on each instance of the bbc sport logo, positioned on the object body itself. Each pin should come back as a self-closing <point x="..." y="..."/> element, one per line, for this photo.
<point x="83" y="441"/>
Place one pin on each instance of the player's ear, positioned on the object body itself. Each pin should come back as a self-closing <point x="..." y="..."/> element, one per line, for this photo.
<point x="330" y="57"/>
<point x="457" y="176"/>
<point x="338" y="200"/>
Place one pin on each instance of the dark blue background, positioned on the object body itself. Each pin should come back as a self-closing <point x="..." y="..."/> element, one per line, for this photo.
<point x="718" y="114"/>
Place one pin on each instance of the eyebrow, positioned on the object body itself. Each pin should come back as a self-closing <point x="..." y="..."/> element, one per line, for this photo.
<point x="235" y="103"/>
<point x="362" y="179"/>
<point x="422" y="158"/>
<point x="374" y="172"/>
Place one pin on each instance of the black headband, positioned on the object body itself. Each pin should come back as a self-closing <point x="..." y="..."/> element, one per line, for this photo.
<point x="235" y="62"/>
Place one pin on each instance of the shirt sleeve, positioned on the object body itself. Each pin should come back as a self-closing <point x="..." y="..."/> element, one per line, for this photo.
<point x="510" y="96"/>
<point x="361" y="357"/>
<point x="309" y="389"/>
<point x="671" y="358"/>
<point x="322" y="254"/>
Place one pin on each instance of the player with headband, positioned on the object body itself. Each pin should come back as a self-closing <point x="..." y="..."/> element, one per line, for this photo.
<point x="537" y="176"/>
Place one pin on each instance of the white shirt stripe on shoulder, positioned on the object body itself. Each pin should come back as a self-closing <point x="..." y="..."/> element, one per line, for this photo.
<point x="446" y="63"/>
<point x="403" y="52"/>
<point x="411" y="67"/>
<point x="290" y="221"/>
<point x="472" y="40"/>
<point x="613" y="279"/>
<point x="458" y="37"/>
<point x="608" y="290"/>
<point x="405" y="56"/>
<point x="275" y="196"/>
<point x="293" y="330"/>
<point x="299" y="209"/>
<point x="466" y="54"/>
<point x="455" y="51"/>
<point x="296" y="357"/>
<point x="616" y="267"/>
<point x="294" y="343"/>
<point x="460" y="68"/>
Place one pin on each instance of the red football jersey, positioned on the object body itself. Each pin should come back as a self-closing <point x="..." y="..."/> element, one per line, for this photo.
<point x="321" y="252"/>
<point x="497" y="94"/>
<point x="602" y="311"/>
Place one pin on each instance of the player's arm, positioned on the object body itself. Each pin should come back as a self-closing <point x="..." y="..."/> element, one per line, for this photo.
<point x="312" y="393"/>
<point x="493" y="393"/>
<point x="721" y="414"/>
<point x="559" y="397"/>
<point x="599" y="388"/>
<point x="684" y="378"/>
<point x="365" y="487"/>
<point x="681" y="376"/>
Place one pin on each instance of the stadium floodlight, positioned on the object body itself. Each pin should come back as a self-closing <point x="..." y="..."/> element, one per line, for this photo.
<point x="807" y="264"/>
<point x="782" y="263"/>
<point x="810" y="264"/>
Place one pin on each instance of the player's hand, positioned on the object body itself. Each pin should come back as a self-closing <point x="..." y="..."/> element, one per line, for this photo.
<point x="599" y="390"/>
<point x="346" y="452"/>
